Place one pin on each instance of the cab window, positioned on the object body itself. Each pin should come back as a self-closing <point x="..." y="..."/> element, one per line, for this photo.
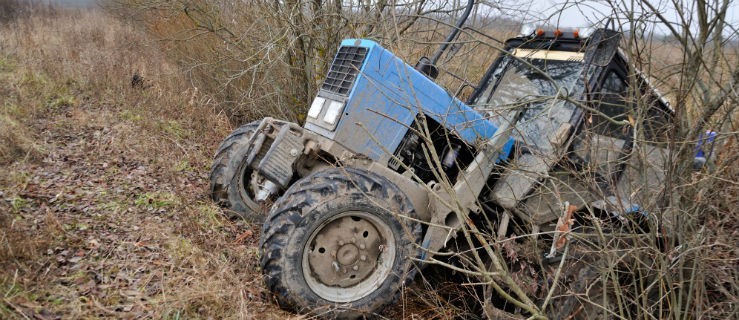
<point x="613" y="106"/>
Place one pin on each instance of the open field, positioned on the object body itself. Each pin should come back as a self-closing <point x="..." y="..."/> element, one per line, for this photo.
<point x="104" y="203"/>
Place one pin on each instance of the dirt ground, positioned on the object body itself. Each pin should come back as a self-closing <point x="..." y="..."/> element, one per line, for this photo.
<point x="104" y="201"/>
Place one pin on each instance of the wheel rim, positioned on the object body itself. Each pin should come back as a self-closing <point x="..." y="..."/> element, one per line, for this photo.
<point x="248" y="184"/>
<point x="349" y="256"/>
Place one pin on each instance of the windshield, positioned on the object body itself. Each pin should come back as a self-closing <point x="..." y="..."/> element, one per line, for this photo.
<point x="531" y="81"/>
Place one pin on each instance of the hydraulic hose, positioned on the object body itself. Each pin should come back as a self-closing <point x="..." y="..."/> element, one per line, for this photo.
<point x="455" y="31"/>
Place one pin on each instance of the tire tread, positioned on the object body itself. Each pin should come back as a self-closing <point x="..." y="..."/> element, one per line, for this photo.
<point x="288" y="211"/>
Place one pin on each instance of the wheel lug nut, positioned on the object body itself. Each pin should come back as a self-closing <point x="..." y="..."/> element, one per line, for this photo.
<point x="361" y="246"/>
<point x="341" y="242"/>
<point x="354" y="240"/>
<point x="355" y="268"/>
<point x="363" y="258"/>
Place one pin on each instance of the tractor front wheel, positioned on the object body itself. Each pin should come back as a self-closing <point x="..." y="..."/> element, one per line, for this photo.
<point x="340" y="243"/>
<point x="232" y="181"/>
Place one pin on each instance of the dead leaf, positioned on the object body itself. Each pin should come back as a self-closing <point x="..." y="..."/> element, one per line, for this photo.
<point x="240" y="238"/>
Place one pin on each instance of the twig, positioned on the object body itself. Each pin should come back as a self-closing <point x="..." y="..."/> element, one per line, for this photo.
<point x="16" y="308"/>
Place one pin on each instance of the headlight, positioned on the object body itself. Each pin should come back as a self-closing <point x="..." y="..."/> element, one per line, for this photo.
<point x="333" y="112"/>
<point x="315" y="107"/>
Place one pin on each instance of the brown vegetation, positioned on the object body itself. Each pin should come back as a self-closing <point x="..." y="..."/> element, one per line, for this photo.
<point x="108" y="127"/>
<point x="259" y="58"/>
<point x="103" y="207"/>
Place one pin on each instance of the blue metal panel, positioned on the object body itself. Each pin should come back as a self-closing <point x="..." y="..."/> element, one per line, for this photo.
<point x="704" y="148"/>
<point x="385" y="99"/>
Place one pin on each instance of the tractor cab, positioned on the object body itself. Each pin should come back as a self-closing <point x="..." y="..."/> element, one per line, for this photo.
<point x="580" y="109"/>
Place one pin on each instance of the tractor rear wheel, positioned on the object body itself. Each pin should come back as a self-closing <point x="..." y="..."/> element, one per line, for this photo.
<point x="341" y="243"/>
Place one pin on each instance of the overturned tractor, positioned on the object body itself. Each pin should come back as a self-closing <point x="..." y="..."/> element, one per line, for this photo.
<point x="390" y="169"/>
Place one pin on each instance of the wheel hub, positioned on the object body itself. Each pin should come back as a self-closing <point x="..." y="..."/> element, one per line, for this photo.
<point x="345" y="251"/>
<point x="347" y="254"/>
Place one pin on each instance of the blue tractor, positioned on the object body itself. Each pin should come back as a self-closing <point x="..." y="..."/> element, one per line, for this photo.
<point x="390" y="166"/>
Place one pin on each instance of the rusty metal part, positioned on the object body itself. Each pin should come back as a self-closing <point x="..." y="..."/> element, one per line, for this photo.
<point x="347" y="257"/>
<point x="563" y="228"/>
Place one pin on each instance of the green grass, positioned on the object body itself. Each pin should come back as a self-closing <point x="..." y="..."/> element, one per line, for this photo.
<point x="155" y="200"/>
<point x="173" y="128"/>
<point x="19" y="203"/>
<point x="63" y="101"/>
<point x="7" y="64"/>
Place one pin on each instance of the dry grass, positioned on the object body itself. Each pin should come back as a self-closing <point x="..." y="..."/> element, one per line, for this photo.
<point x="16" y="144"/>
<point x="103" y="199"/>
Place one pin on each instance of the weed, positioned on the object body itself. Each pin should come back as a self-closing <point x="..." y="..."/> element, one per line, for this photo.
<point x="113" y="205"/>
<point x="12" y="288"/>
<point x="19" y="203"/>
<point x="10" y="111"/>
<point x="183" y="166"/>
<point x="173" y="128"/>
<point x="129" y="115"/>
<point x="34" y="81"/>
<point x="17" y="144"/>
<point x="209" y="216"/>
<point x="59" y="102"/>
<point x="155" y="200"/>
<point x="6" y="64"/>
<point x="180" y="249"/>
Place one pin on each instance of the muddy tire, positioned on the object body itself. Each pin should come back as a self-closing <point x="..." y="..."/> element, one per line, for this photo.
<point x="338" y="245"/>
<point x="230" y="176"/>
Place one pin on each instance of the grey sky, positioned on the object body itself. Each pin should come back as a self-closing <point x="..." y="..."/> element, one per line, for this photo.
<point x="586" y="13"/>
<point x="72" y="3"/>
<point x="562" y="12"/>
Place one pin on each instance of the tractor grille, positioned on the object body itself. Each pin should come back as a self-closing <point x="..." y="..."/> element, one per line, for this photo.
<point x="344" y="70"/>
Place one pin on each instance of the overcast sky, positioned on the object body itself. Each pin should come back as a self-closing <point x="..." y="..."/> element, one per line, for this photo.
<point x="72" y="3"/>
<point x="586" y="13"/>
<point x="564" y="13"/>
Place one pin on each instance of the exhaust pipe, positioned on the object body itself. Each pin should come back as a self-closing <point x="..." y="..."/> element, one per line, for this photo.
<point x="428" y="66"/>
